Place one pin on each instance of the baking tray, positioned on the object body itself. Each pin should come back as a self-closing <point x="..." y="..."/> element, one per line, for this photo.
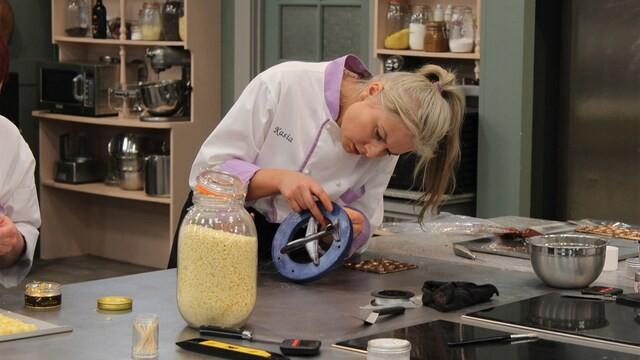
<point x="626" y="248"/>
<point x="44" y="328"/>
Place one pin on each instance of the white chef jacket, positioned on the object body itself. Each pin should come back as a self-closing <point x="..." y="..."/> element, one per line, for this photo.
<point x="18" y="197"/>
<point x="286" y="119"/>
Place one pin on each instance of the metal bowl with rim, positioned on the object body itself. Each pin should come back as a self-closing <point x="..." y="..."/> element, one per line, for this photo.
<point x="567" y="261"/>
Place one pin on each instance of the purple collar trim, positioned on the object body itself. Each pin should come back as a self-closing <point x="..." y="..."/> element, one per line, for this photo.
<point x="333" y="80"/>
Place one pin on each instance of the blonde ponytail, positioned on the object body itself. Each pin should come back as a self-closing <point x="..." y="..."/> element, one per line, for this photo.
<point x="431" y="106"/>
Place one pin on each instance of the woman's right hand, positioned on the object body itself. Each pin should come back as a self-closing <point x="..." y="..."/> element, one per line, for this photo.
<point x="301" y="192"/>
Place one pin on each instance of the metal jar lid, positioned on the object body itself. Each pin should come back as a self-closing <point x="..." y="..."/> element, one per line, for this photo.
<point x="115" y="303"/>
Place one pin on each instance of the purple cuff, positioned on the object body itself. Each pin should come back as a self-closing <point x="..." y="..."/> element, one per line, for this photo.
<point x="360" y="240"/>
<point x="351" y="195"/>
<point x="240" y="168"/>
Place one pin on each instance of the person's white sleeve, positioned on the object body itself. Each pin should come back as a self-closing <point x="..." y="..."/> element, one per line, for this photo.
<point x="21" y="206"/>
<point x="371" y="203"/>
<point x="234" y="144"/>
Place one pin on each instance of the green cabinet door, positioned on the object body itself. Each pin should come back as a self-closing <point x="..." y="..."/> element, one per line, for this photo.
<point x="318" y="30"/>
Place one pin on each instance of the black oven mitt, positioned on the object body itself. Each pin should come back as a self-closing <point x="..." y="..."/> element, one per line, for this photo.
<point x="448" y="296"/>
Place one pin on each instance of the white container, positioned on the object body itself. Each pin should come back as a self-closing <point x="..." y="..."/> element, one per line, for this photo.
<point x="611" y="259"/>
<point x="388" y="349"/>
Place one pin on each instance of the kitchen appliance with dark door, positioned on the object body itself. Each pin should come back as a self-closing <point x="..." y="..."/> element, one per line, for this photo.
<point x="76" y="166"/>
<point x="78" y="88"/>
<point x="601" y="320"/>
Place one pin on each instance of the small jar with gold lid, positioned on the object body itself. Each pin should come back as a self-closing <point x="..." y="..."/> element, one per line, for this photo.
<point x="42" y="295"/>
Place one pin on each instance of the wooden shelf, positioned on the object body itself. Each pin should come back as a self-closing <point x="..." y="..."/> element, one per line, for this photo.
<point x="424" y="54"/>
<point x="87" y="40"/>
<point x="106" y="190"/>
<point x="108" y="120"/>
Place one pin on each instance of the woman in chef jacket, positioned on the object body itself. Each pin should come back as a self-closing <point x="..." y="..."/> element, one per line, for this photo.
<point x="329" y="131"/>
<point x="19" y="211"/>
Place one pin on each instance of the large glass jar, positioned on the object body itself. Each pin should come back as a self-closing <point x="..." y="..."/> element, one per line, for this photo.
<point x="78" y="18"/>
<point x="217" y="254"/>
<point x="435" y="38"/>
<point x="150" y="21"/>
<point x="396" y="26"/>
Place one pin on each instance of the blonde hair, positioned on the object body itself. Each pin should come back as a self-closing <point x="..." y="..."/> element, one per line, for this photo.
<point x="431" y="106"/>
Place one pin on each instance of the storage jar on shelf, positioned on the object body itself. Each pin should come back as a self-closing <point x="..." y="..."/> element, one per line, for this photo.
<point x="150" y="21"/>
<point x="461" y="30"/>
<point x="78" y="18"/>
<point x="435" y="38"/>
<point x="417" y="27"/>
<point x="397" y="26"/>
<point x="217" y="254"/>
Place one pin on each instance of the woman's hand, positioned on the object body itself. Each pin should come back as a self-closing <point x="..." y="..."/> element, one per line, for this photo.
<point x="301" y="192"/>
<point x="357" y="220"/>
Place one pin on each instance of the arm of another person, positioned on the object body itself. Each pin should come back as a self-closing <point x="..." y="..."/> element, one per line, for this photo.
<point x="20" y="223"/>
<point x="366" y="212"/>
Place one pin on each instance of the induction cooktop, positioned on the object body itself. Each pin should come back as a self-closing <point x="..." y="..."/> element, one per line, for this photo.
<point x="595" y="319"/>
<point x="429" y="341"/>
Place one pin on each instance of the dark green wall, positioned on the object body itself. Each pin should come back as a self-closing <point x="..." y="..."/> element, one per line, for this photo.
<point x="30" y="44"/>
<point x="228" y="47"/>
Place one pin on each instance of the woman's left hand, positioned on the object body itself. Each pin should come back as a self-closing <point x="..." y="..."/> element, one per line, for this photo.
<point x="357" y="220"/>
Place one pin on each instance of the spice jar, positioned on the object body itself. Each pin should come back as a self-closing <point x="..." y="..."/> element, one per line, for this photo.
<point x="170" y="20"/>
<point x="217" y="254"/>
<point x="150" y="22"/>
<point x="42" y="295"/>
<point x="435" y="39"/>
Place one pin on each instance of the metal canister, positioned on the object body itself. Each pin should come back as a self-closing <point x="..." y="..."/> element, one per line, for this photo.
<point x="157" y="175"/>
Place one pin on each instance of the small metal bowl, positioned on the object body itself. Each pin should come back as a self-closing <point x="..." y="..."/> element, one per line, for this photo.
<point x="567" y="261"/>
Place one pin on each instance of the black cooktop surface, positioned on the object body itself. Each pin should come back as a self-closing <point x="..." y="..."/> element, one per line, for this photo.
<point x="598" y="319"/>
<point x="429" y="341"/>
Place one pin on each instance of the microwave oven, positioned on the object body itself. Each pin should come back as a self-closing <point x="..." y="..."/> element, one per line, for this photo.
<point x="77" y="88"/>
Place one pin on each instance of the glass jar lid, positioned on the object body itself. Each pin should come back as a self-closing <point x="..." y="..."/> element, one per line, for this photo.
<point x="115" y="303"/>
<point x="220" y="185"/>
<point x="42" y="288"/>
<point x="388" y="346"/>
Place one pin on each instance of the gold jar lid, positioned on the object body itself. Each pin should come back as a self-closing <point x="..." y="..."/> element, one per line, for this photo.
<point x="115" y="303"/>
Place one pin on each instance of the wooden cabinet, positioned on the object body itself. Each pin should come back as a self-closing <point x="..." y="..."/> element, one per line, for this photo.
<point x="105" y="220"/>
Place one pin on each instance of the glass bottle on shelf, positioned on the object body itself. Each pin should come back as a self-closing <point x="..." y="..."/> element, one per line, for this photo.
<point x="217" y="254"/>
<point x="396" y="26"/>
<point x="150" y="21"/>
<point x="417" y="27"/>
<point x="99" y="20"/>
<point x="170" y="20"/>
<point x="77" y="18"/>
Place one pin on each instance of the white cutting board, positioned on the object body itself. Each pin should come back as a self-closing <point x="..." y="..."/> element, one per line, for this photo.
<point x="44" y="328"/>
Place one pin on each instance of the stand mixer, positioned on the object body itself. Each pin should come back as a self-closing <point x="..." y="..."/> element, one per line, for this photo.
<point x="167" y="100"/>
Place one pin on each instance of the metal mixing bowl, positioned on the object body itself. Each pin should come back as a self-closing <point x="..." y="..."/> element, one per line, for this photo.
<point x="567" y="261"/>
<point x="164" y="98"/>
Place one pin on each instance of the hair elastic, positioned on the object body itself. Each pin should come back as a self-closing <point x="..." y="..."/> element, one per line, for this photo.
<point x="438" y="86"/>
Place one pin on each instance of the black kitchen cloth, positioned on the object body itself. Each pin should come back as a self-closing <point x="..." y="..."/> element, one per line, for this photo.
<point x="448" y="296"/>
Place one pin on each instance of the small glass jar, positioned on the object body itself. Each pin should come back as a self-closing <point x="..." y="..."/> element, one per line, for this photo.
<point x="417" y="27"/>
<point x="78" y="18"/>
<point x="42" y="295"/>
<point x="435" y="38"/>
<point x="150" y="22"/>
<point x="388" y="349"/>
<point x="145" y="337"/>
<point x="217" y="254"/>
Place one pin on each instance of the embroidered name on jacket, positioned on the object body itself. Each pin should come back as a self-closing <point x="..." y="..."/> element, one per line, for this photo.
<point x="283" y="134"/>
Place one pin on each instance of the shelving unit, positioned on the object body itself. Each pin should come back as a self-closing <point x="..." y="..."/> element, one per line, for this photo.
<point x="105" y="220"/>
<point x="379" y="31"/>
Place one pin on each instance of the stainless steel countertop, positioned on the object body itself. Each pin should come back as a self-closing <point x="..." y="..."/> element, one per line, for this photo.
<point x="320" y="310"/>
